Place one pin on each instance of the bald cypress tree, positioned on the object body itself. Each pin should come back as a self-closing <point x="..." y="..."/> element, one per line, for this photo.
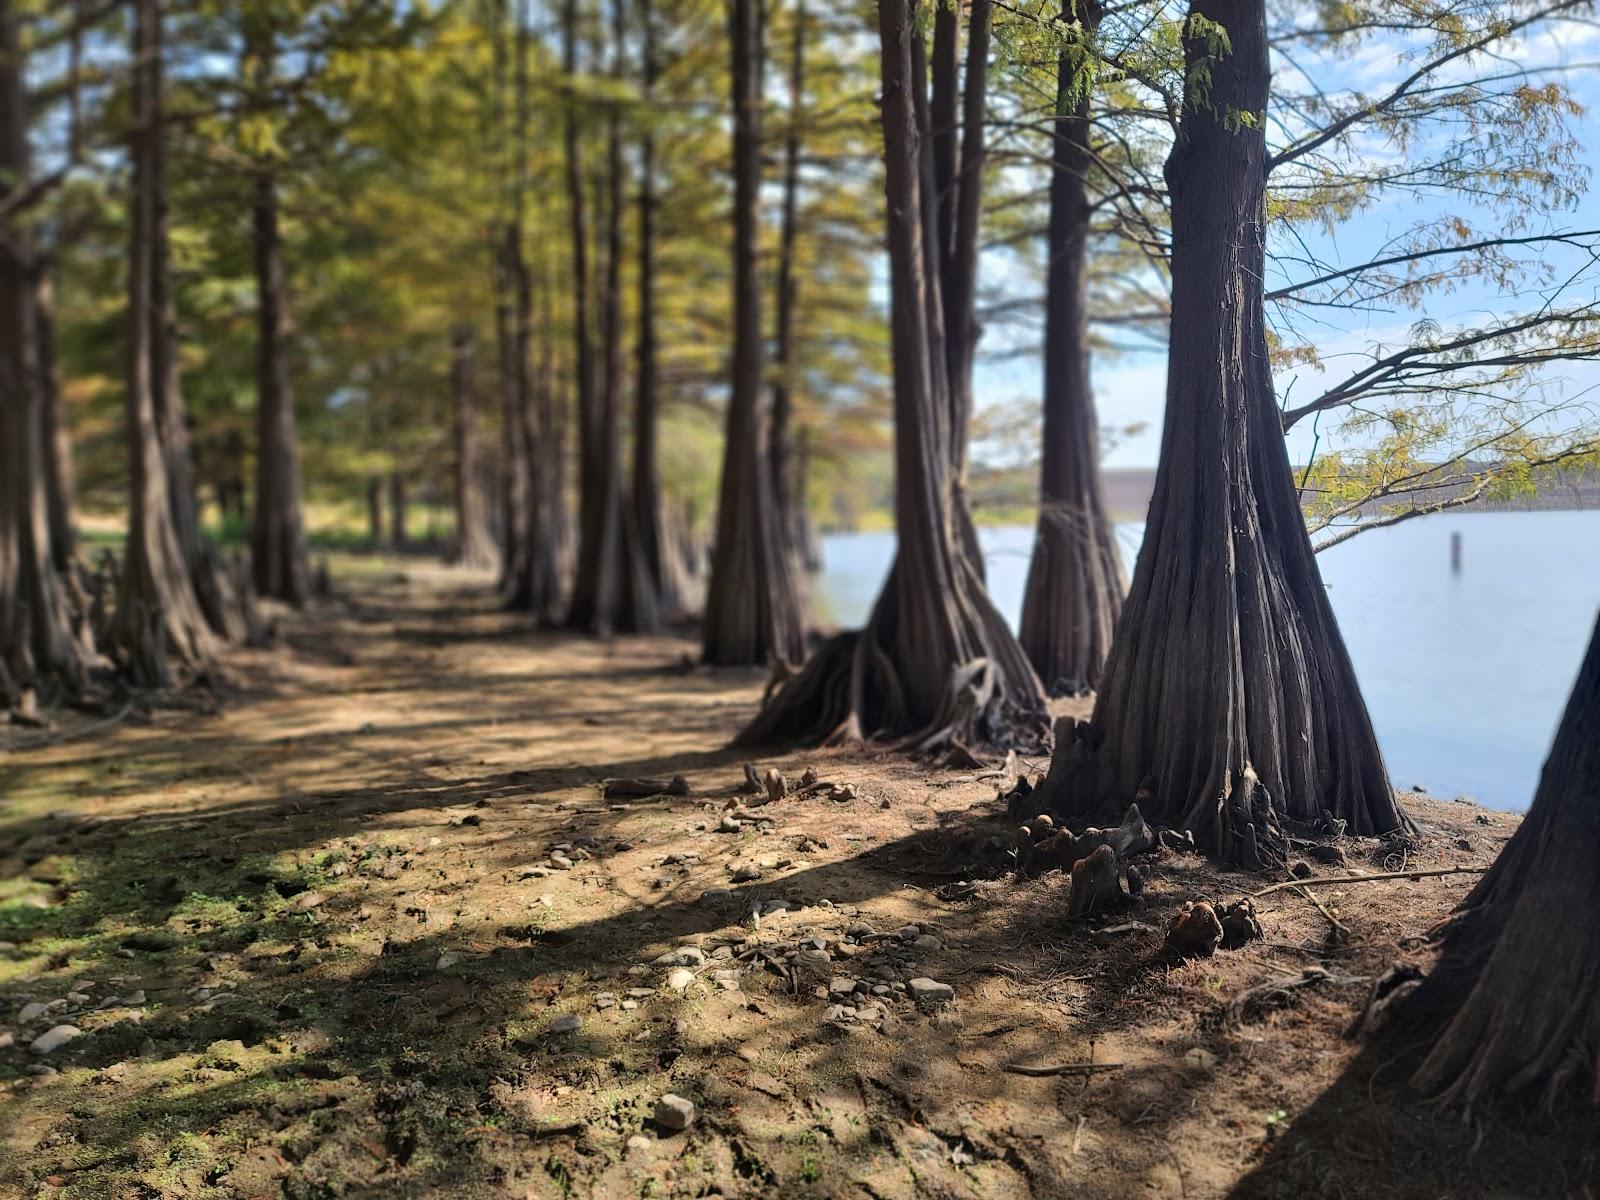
<point x="752" y="604"/>
<point x="936" y="663"/>
<point x="1075" y="580"/>
<point x="157" y="608"/>
<point x="1229" y="691"/>
<point x="41" y="643"/>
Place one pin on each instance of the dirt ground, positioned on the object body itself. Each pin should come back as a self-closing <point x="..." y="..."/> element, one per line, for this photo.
<point x="328" y="936"/>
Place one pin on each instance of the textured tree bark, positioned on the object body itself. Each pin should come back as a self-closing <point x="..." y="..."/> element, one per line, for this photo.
<point x="1515" y="997"/>
<point x="1228" y="689"/>
<point x="41" y="646"/>
<point x="157" y="612"/>
<point x="59" y="477"/>
<point x="936" y="663"/>
<point x="1075" y="579"/>
<point x="780" y="450"/>
<point x="752" y="607"/>
<point x="474" y="546"/>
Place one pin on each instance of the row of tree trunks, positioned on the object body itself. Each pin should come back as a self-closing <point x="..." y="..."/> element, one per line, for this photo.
<point x="936" y="663"/>
<point x="1075" y="578"/>
<point x="1228" y="692"/>
<point x="752" y="610"/>
<point x="157" y="611"/>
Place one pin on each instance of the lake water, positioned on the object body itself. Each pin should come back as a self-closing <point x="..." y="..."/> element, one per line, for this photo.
<point x="1465" y="674"/>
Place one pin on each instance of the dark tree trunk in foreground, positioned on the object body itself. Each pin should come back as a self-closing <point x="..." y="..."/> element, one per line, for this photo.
<point x="646" y="513"/>
<point x="936" y="663"/>
<point x="474" y="546"/>
<point x="594" y="591"/>
<point x="752" y="607"/>
<point x="780" y="449"/>
<point x="59" y="478"/>
<point x="1228" y="686"/>
<point x="157" y="610"/>
<point x="1075" y="580"/>
<point x="40" y="647"/>
<point x="1516" y="992"/>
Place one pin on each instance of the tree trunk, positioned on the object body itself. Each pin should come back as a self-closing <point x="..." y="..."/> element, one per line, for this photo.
<point x="953" y="190"/>
<point x="552" y="542"/>
<point x="278" y="544"/>
<point x="1075" y="580"/>
<point x="594" y="591"/>
<point x="1515" y="996"/>
<point x="171" y="419"/>
<point x="802" y="529"/>
<point x="474" y="547"/>
<point x="644" y="527"/>
<point x="399" y="503"/>
<point x="58" y="472"/>
<point x="40" y="645"/>
<point x="214" y="590"/>
<point x="780" y="451"/>
<point x="752" y="607"/>
<point x="637" y="601"/>
<point x="1228" y="692"/>
<point x="157" y="611"/>
<point x="935" y="664"/>
<point x="375" y="513"/>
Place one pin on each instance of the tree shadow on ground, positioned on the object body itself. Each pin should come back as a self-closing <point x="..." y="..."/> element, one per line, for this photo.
<point x="1370" y="1136"/>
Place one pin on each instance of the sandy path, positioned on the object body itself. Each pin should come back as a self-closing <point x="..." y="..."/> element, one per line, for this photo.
<point x="317" y="945"/>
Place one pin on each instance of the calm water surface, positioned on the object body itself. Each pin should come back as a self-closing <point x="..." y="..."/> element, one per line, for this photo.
<point x="1465" y="674"/>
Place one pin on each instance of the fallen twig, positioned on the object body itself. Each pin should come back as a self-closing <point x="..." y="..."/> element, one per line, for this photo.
<point x="1322" y="879"/>
<point x="1339" y="927"/>
<point x="1071" y="1068"/>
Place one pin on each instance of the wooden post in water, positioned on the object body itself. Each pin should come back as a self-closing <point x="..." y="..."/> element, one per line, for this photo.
<point x="1455" y="551"/>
